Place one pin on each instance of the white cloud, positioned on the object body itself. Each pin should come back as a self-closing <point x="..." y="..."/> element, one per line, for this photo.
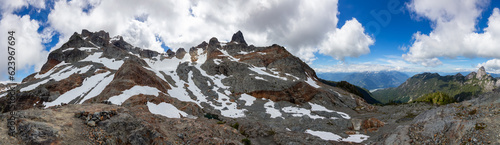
<point x="303" y="27"/>
<point x="348" y="41"/>
<point x="8" y="6"/>
<point x="300" y="26"/>
<point x="454" y="31"/>
<point x="28" y="43"/>
<point x="392" y="63"/>
<point x="492" y="65"/>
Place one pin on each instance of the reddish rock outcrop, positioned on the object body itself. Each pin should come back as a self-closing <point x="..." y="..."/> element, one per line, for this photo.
<point x="300" y="93"/>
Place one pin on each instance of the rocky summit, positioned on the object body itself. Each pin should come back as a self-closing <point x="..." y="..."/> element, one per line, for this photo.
<point x="97" y="89"/>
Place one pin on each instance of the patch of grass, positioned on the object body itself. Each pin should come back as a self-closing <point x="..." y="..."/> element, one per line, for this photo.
<point x="246" y="141"/>
<point x="221" y="122"/>
<point x="235" y="125"/>
<point x="438" y="98"/>
<point x="393" y="102"/>
<point x="242" y="132"/>
<point x="410" y="115"/>
<point x="271" y="132"/>
<point x="472" y="112"/>
<point x="480" y="126"/>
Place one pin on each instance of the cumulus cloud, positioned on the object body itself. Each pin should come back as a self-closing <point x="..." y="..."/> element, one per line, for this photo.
<point x="493" y="65"/>
<point x="301" y="26"/>
<point x="454" y="31"/>
<point x="11" y="5"/>
<point x="392" y="63"/>
<point x="28" y="43"/>
<point x="348" y="41"/>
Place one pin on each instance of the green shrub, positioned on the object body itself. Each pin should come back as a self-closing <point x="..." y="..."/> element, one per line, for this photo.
<point x="212" y="116"/>
<point x="246" y="141"/>
<point x="235" y="126"/>
<point x="472" y="112"/>
<point x="436" y="98"/>
<point x="480" y="126"/>
<point x="271" y="132"/>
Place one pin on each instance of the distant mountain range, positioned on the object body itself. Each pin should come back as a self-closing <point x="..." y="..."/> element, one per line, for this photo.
<point x="368" y="80"/>
<point x="458" y="86"/>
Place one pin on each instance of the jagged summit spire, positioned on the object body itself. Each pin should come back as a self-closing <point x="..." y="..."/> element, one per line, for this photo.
<point x="481" y="73"/>
<point x="238" y="38"/>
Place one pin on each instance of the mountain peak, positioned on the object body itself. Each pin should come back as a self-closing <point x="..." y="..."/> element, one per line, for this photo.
<point x="238" y="38"/>
<point x="481" y="73"/>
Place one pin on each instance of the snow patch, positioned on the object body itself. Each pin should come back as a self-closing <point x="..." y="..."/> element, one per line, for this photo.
<point x="248" y="99"/>
<point x="166" y="109"/>
<point x="311" y="82"/>
<point x="33" y="86"/>
<point x="61" y="75"/>
<point x="224" y="52"/>
<point x="116" y="38"/>
<point x="260" y="78"/>
<point x="65" y="73"/>
<point x="217" y="61"/>
<point x="299" y="112"/>
<point x="110" y="63"/>
<point x="262" y="71"/>
<point x="136" y="90"/>
<point x="68" y="49"/>
<point x="324" y="135"/>
<point x="38" y="75"/>
<point x="317" y="107"/>
<point x="344" y="115"/>
<point x="87" y="85"/>
<point x="357" y="138"/>
<point x="271" y="110"/>
<point x="88" y="49"/>
<point x="98" y="88"/>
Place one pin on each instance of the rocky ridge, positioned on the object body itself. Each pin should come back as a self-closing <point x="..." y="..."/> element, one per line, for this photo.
<point x="212" y="86"/>
<point x="457" y="86"/>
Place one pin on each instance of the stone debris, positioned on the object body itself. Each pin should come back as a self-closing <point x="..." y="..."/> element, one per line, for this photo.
<point x="91" y="119"/>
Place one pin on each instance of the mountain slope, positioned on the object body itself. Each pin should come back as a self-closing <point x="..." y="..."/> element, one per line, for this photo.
<point x="458" y="86"/>
<point x="365" y="94"/>
<point x="266" y="88"/>
<point x="370" y="80"/>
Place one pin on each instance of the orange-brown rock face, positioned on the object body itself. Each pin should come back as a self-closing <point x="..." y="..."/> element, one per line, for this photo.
<point x="300" y="93"/>
<point x="49" y="65"/>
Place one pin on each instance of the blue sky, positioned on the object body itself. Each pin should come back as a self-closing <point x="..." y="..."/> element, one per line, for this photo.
<point x="397" y="31"/>
<point x="331" y="36"/>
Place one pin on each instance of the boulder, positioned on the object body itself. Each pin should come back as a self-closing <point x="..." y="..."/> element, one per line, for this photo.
<point x="372" y="123"/>
<point x="180" y="53"/>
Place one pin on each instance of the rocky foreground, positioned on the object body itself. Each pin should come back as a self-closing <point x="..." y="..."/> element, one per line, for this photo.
<point x="470" y="122"/>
